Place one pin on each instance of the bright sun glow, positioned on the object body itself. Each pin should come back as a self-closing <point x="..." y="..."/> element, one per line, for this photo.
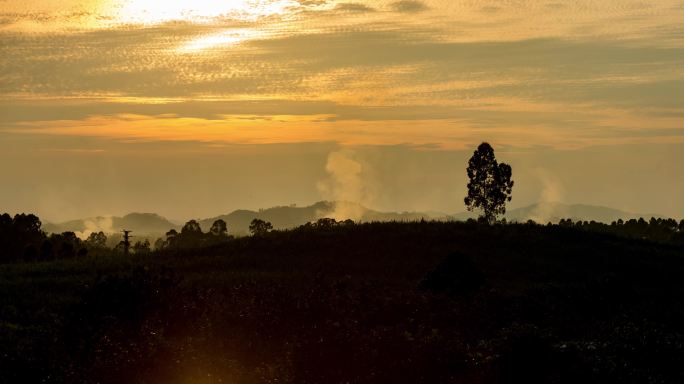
<point x="158" y="11"/>
<point x="217" y="40"/>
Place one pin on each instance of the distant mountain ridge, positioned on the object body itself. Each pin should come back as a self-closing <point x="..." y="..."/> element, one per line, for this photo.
<point x="553" y="212"/>
<point x="291" y="216"/>
<point x="544" y="212"/>
<point x="284" y="217"/>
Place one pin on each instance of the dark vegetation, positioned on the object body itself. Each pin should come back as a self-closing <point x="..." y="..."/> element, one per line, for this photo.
<point x="332" y="302"/>
<point x="192" y="237"/>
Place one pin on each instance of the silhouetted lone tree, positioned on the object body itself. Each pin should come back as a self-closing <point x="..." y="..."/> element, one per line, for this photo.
<point x="260" y="227"/>
<point x="490" y="184"/>
<point x="171" y="239"/>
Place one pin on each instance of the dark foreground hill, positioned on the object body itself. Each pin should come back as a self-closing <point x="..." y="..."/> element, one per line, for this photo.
<point x="372" y="303"/>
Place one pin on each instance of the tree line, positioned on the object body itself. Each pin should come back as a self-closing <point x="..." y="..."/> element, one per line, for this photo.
<point x="655" y="229"/>
<point x="22" y="239"/>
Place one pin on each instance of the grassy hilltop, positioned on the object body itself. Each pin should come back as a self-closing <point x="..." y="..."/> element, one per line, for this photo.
<point x="428" y="302"/>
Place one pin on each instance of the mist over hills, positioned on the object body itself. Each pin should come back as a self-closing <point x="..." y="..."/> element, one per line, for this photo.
<point x="141" y="223"/>
<point x="292" y="216"/>
<point x="283" y="217"/>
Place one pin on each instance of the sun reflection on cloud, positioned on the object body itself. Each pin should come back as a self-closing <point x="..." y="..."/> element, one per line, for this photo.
<point x="217" y="40"/>
<point x="159" y="11"/>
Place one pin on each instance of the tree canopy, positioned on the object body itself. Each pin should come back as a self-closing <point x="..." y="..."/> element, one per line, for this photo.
<point x="260" y="227"/>
<point x="490" y="184"/>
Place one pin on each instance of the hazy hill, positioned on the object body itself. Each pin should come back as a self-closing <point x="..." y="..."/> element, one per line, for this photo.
<point x="140" y="223"/>
<point x="544" y="212"/>
<point x="238" y="221"/>
<point x="291" y="216"/>
<point x="553" y="212"/>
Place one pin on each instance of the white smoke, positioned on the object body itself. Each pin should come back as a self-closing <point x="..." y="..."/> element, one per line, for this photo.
<point x="96" y="224"/>
<point x="346" y="185"/>
<point x="552" y="191"/>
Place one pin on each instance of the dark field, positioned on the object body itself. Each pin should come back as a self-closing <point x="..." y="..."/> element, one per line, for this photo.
<point x="370" y="303"/>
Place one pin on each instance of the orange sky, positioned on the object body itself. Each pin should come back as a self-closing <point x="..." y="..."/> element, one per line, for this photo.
<point x="122" y="84"/>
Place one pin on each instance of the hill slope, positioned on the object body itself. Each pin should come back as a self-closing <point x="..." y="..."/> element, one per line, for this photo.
<point x="350" y="304"/>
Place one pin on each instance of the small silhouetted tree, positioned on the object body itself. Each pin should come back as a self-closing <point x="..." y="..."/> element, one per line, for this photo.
<point x="326" y="223"/>
<point x="96" y="240"/>
<point x="260" y="227"/>
<point x="67" y="244"/>
<point x="192" y="227"/>
<point x="159" y="244"/>
<point x="171" y="239"/>
<point x="217" y="234"/>
<point x="490" y="184"/>
<point x="219" y="228"/>
<point x="190" y="235"/>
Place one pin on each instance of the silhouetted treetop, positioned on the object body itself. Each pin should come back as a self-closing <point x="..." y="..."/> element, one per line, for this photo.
<point x="260" y="227"/>
<point x="96" y="240"/>
<point x="219" y="228"/>
<point x="191" y="227"/>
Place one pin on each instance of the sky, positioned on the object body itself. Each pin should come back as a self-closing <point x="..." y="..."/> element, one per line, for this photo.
<point x="192" y="109"/>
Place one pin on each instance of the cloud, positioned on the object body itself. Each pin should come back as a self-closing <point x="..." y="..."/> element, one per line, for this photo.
<point x="490" y="9"/>
<point x="353" y="8"/>
<point x="409" y="6"/>
<point x="563" y="92"/>
<point x="391" y="66"/>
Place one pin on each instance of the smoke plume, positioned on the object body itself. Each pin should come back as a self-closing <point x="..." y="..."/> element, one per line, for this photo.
<point x="552" y="191"/>
<point x="96" y="224"/>
<point x="346" y="185"/>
